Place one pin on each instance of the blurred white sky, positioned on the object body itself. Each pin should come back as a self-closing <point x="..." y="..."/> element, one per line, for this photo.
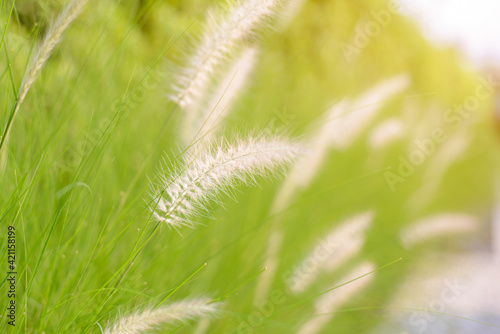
<point x="472" y="25"/>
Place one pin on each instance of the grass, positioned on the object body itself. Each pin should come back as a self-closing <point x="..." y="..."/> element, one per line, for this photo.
<point x="95" y="125"/>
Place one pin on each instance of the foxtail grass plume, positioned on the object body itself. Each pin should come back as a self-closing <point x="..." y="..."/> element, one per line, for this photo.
<point x="301" y="173"/>
<point x="52" y="38"/>
<point x="338" y="129"/>
<point x="332" y="251"/>
<point x="150" y="319"/>
<point x="351" y="124"/>
<point x="184" y="193"/>
<point x="423" y="117"/>
<point x="290" y="11"/>
<point x="304" y="171"/>
<point x="272" y="262"/>
<point x="202" y="121"/>
<point x="202" y="326"/>
<point x="223" y="34"/>
<point x="438" y="225"/>
<point x="386" y="132"/>
<point x="333" y="300"/>
<point x="381" y="137"/>
<point x="441" y="157"/>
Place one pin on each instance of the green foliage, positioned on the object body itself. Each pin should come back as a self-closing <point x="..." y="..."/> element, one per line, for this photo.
<point x="96" y="123"/>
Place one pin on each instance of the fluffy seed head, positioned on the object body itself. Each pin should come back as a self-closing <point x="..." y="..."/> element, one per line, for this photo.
<point x="222" y="34"/>
<point x="51" y="40"/>
<point x="338" y="129"/>
<point x="440" y="158"/>
<point x="331" y="301"/>
<point x="208" y="173"/>
<point x="386" y="133"/>
<point x="350" y="125"/>
<point x="150" y="319"/>
<point x="340" y="245"/>
<point x="201" y="121"/>
<point x="438" y="225"/>
<point x="290" y="11"/>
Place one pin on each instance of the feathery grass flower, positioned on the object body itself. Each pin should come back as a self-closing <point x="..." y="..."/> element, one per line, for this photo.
<point x="289" y="12"/>
<point x="52" y="38"/>
<point x="185" y="193"/>
<point x="150" y="319"/>
<point x="201" y="123"/>
<point x="348" y="126"/>
<point x="437" y="225"/>
<point x="341" y="244"/>
<point x="331" y="301"/>
<point x="386" y="133"/>
<point x="220" y="40"/>
<point x="440" y="156"/>
<point x="338" y="129"/>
